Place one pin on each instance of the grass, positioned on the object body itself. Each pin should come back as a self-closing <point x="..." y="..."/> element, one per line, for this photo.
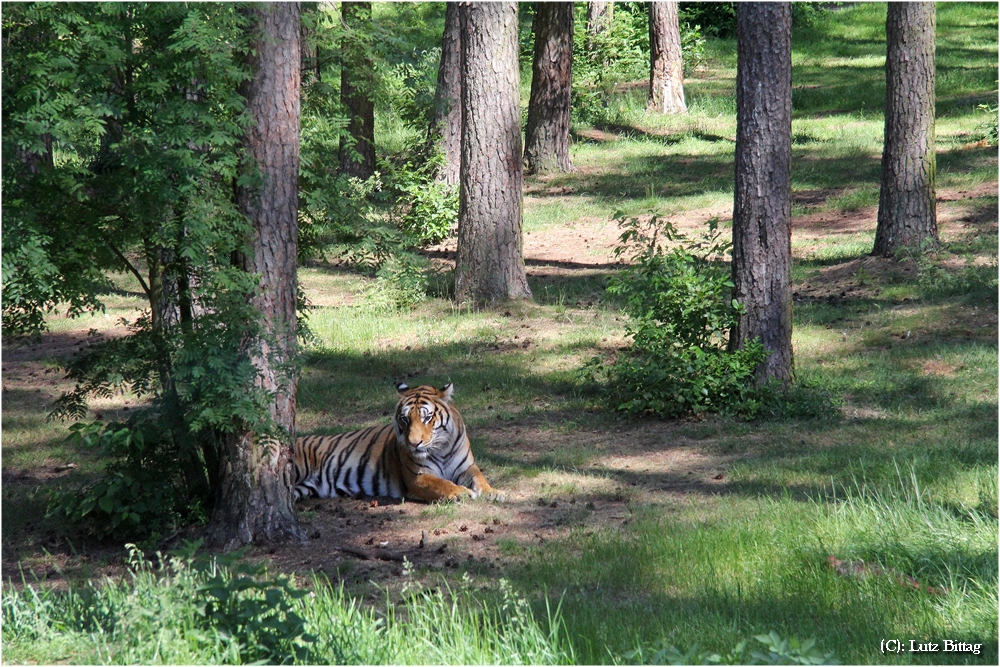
<point x="900" y="472"/>
<point x="201" y="611"/>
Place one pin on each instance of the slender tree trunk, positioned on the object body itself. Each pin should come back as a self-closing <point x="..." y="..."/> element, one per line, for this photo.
<point x="357" y="153"/>
<point x="307" y="40"/>
<point x="666" y="63"/>
<point x="490" y="263"/>
<point x="907" y="209"/>
<point x="254" y="503"/>
<point x="446" y="124"/>
<point x="599" y="17"/>
<point x="546" y="141"/>
<point x="762" y="260"/>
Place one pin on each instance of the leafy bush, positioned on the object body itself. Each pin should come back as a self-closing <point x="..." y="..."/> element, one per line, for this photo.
<point x="423" y="207"/>
<point x="692" y="46"/>
<point x="988" y="129"/>
<point x="680" y="313"/>
<point x="718" y="18"/>
<point x="142" y="492"/>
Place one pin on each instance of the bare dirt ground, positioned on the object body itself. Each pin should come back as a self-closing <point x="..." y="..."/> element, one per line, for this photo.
<point x="361" y="541"/>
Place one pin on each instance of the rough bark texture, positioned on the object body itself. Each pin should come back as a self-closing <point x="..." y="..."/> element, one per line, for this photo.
<point x="666" y="63"/>
<point x="490" y="263"/>
<point x="907" y="213"/>
<point x="255" y="498"/>
<point x="762" y="204"/>
<point x="357" y="153"/>
<point x="599" y="17"/>
<point x="546" y="143"/>
<point x="446" y="124"/>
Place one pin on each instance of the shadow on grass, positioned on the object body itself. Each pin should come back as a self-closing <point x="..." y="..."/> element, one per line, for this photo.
<point x="501" y="387"/>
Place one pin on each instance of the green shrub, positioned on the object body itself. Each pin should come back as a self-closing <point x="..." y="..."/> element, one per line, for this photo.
<point x="680" y="312"/>
<point x="423" y="207"/>
<point x="142" y="493"/>
<point x="988" y="129"/>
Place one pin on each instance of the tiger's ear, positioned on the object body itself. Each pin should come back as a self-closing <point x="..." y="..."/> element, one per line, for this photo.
<point x="402" y="388"/>
<point x="447" y="391"/>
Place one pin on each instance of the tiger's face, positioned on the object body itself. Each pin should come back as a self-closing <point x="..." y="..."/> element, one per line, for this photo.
<point x="423" y="422"/>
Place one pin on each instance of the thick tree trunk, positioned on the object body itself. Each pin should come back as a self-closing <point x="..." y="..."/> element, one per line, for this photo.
<point x="446" y="124"/>
<point x="254" y="502"/>
<point x="599" y="17"/>
<point x="907" y="211"/>
<point x="357" y="153"/>
<point x="490" y="263"/>
<point x="762" y="262"/>
<point x="547" y="135"/>
<point x="666" y="63"/>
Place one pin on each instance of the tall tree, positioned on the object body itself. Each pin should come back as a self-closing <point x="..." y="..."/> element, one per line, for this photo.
<point x="547" y="134"/>
<point x="490" y="264"/>
<point x="446" y="122"/>
<point x="907" y="213"/>
<point x="666" y="64"/>
<point x="357" y="151"/>
<point x="762" y="259"/>
<point x="599" y="17"/>
<point x="254" y="503"/>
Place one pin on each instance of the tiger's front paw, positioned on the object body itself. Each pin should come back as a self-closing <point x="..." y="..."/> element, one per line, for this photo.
<point x="459" y="494"/>
<point x="495" y="496"/>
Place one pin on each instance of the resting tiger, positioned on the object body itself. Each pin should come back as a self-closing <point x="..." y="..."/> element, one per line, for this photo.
<point x="424" y="454"/>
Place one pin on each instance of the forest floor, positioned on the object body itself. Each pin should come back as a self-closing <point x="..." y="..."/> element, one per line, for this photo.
<point x="649" y="464"/>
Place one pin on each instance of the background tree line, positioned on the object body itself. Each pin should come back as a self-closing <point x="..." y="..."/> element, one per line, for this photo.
<point x="145" y="138"/>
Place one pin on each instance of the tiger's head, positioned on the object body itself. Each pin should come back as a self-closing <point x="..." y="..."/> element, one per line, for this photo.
<point x="425" y="420"/>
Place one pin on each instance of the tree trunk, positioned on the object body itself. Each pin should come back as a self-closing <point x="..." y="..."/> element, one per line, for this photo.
<point x="490" y="263"/>
<point x="254" y="502"/>
<point x="446" y="124"/>
<point x="307" y="40"/>
<point x="599" y="17"/>
<point x="357" y="152"/>
<point x="547" y="135"/>
<point x="666" y="63"/>
<point x="907" y="211"/>
<point x="762" y="262"/>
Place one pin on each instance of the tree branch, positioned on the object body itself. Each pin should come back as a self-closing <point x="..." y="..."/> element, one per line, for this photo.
<point x="118" y="253"/>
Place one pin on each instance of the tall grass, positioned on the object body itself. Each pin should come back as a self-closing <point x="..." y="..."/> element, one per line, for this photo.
<point x="203" y="611"/>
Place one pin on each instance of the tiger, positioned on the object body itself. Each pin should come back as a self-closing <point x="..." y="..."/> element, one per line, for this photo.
<point x="424" y="454"/>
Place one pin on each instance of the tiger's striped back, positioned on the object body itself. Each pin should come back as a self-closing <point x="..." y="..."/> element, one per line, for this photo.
<point x="424" y="453"/>
<point x="348" y="464"/>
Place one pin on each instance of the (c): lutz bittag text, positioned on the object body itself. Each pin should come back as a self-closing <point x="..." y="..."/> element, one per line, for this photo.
<point x="914" y="646"/>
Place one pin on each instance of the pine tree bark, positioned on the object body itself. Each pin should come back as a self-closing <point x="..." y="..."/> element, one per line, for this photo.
<point x="666" y="63"/>
<point x="907" y="210"/>
<point x="599" y="17"/>
<point x="446" y="123"/>
<point x="546" y="144"/>
<point x="254" y="502"/>
<point x="490" y="264"/>
<point x="357" y="152"/>
<point x="762" y="260"/>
